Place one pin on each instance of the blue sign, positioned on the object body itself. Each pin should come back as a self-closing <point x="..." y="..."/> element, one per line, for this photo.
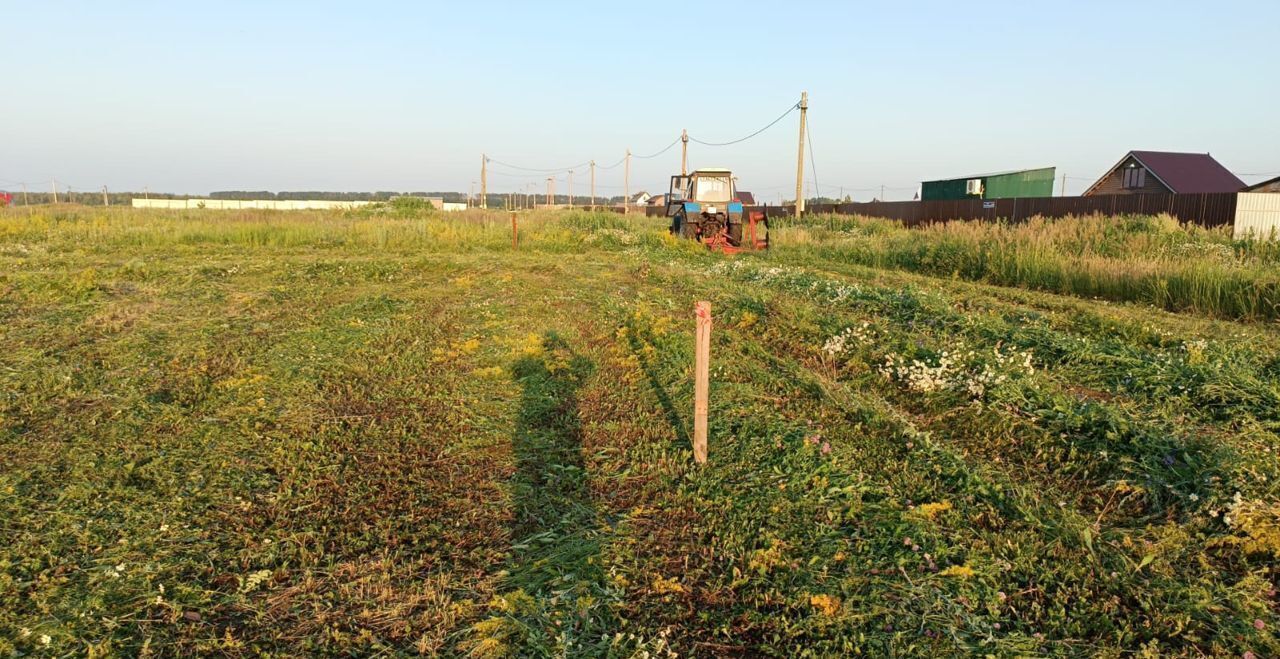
<point x="988" y="204"/>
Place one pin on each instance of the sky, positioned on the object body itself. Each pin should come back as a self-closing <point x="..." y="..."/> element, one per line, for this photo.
<point x="192" y="97"/>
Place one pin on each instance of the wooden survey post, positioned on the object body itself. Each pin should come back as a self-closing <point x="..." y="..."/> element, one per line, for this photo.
<point x="514" y="231"/>
<point x="701" y="380"/>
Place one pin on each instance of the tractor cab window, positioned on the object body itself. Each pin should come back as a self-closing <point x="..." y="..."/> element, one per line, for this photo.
<point x="712" y="188"/>
<point x="679" y="188"/>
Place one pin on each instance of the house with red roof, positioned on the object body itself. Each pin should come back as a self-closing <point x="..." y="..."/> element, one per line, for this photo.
<point x="1166" y="172"/>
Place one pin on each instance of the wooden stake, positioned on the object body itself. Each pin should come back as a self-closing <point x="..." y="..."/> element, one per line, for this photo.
<point x="701" y="381"/>
<point x="514" y="232"/>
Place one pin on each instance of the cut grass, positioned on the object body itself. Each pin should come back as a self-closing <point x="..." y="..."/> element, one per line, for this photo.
<point x="348" y="434"/>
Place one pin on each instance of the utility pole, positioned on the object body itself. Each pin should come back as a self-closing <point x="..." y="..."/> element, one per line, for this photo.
<point x="471" y="192"/>
<point x="1063" y="191"/>
<point x="593" y="184"/>
<point x="55" y="190"/>
<point x="146" y="192"/>
<point x="571" y="188"/>
<point x="25" y="201"/>
<point x="549" y="180"/>
<point x="881" y="192"/>
<point x="105" y="201"/>
<point x="626" y="184"/>
<point x="804" y="111"/>
<point x="684" y="152"/>
<point x="484" y="181"/>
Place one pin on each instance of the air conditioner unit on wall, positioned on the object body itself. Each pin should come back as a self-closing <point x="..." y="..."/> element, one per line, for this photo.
<point x="973" y="187"/>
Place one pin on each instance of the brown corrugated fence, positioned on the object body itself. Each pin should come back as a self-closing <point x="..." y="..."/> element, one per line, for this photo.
<point x="1207" y="210"/>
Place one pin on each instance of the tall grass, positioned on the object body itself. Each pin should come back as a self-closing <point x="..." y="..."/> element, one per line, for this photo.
<point x="90" y="228"/>
<point x="1148" y="259"/>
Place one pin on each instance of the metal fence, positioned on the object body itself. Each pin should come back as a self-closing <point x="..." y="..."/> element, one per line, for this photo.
<point x="1207" y="210"/>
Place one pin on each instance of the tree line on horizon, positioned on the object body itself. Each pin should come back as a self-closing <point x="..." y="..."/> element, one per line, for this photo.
<point x="496" y="200"/>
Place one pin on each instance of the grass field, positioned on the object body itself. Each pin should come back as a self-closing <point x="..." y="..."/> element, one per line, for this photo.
<point x="390" y="434"/>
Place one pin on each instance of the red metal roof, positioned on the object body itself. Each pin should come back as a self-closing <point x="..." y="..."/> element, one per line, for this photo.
<point x="1189" y="172"/>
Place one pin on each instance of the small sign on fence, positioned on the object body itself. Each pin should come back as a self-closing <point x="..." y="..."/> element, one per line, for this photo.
<point x="988" y="204"/>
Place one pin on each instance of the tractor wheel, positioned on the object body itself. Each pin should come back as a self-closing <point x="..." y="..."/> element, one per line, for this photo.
<point x="735" y="233"/>
<point x="688" y="229"/>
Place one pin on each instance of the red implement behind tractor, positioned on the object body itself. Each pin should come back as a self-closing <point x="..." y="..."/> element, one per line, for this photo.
<point x="704" y="206"/>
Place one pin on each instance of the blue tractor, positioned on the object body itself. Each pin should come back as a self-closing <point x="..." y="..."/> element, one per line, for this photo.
<point x="704" y="206"/>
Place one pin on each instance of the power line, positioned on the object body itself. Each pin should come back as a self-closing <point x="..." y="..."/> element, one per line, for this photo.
<point x="817" y="189"/>
<point x="539" y="175"/>
<point x="655" y="155"/>
<point x="743" y="139"/>
<point x="620" y="161"/>
<point x="537" y="169"/>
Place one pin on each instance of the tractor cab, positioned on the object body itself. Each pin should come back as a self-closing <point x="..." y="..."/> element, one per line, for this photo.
<point x="704" y="206"/>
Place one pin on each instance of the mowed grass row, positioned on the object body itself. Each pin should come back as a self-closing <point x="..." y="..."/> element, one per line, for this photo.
<point x="978" y="518"/>
<point x="353" y="446"/>
<point x="178" y="436"/>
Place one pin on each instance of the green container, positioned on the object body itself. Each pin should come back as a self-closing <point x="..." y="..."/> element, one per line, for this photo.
<point x="1000" y="185"/>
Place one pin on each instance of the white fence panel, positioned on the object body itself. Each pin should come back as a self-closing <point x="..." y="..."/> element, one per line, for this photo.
<point x="1257" y="215"/>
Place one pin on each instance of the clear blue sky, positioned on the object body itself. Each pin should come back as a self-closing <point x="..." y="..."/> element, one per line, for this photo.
<point x="193" y="97"/>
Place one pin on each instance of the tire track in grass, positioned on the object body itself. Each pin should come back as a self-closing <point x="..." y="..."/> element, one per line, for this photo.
<point x="556" y="598"/>
<point x="418" y="442"/>
<point x="555" y="568"/>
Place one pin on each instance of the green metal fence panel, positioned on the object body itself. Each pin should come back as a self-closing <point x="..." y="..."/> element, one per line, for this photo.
<point x="1029" y="183"/>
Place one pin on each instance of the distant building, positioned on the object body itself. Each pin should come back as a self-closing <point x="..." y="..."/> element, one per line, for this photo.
<point x="658" y="200"/>
<point x="746" y="198"/>
<point x="640" y="198"/>
<point x="1165" y="172"/>
<point x="997" y="185"/>
<point x="1272" y="185"/>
